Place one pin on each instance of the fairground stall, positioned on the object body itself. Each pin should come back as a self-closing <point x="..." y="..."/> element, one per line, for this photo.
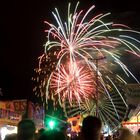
<point x="11" y="112"/>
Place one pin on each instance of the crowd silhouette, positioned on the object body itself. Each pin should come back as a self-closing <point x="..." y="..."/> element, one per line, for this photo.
<point x="91" y="129"/>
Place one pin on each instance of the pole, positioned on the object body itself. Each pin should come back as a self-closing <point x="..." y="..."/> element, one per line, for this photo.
<point x="97" y="84"/>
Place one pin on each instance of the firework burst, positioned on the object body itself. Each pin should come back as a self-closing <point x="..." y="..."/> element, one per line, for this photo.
<point x="82" y="39"/>
<point x="73" y="82"/>
<point x="81" y="62"/>
<point x="80" y="46"/>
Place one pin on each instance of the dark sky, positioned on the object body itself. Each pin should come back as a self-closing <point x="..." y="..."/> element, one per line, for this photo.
<point x="22" y="36"/>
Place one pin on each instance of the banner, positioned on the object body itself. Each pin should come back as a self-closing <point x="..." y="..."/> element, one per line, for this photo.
<point x="11" y="111"/>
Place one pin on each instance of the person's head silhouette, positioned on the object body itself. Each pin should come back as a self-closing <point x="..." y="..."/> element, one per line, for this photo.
<point x="91" y="128"/>
<point x="26" y="130"/>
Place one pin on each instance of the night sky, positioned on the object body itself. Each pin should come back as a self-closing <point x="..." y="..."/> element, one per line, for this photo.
<point x="22" y="37"/>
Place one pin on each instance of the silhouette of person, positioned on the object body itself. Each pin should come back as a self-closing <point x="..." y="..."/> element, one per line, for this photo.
<point x="41" y="132"/>
<point x="52" y="135"/>
<point x="109" y="137"/>
<point x="91" y="128"/>
<point x="11" y="137"/>
<point x="138" y="132"/>
<point x="125" y="134"/>
<point x="26" y="130"/>
<point x="137" y="135"/>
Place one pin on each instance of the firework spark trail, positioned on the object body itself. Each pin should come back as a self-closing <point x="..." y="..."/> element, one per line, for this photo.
<point x="80" y="41"/>
<point x="84" y="35"/>
<point x="107" y="92"/>
<point x="117" y="91"/>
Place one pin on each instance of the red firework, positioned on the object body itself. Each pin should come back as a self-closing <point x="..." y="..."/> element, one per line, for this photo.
<point x="72" y="82"/>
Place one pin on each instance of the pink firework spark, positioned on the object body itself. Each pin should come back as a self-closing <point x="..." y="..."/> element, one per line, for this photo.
<point x="72" y="82"/>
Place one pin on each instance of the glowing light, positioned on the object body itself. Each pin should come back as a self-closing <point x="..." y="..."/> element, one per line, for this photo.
<point x="4" y="131"/>
<point x="51" y="124"/>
